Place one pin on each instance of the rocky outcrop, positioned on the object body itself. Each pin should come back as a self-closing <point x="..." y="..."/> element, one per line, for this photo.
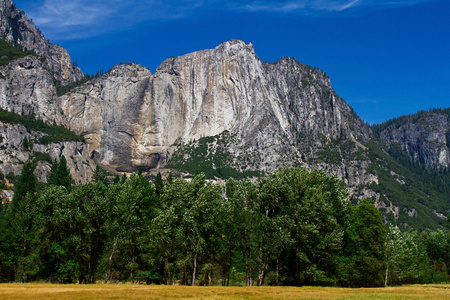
<point x="113" y="114"/>
<point x="222" y="110"/>
<point x="13" y="154"/>
<point x="280" y="114"/>
<point x="424" y="136"/>
<point x="27" y="87"/>
<point x="16" y="28"/>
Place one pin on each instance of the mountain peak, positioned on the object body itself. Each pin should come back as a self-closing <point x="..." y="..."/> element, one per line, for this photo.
<point x="17" y="28"/>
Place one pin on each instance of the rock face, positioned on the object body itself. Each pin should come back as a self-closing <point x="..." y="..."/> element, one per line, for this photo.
<point x="220" y="110"/>
<point x="425" y="136"/>
<point x="113" y="114"/>
<point x="280" y="114"/>
<point x="13" y="154"/>
<point x="16" y="28"/>
<point x="27" y="87"/>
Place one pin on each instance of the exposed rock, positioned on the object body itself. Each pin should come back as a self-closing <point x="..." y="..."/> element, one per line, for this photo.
<point x="220" y="108"/>
<point x="16" y="28"/>
<point x="424" y="136"/>
<point x="275" y="113"/>
<point x="13" y="154"/>
<point x="27" y="87"/>
<point x="391" y="208"/>
<point x="113" y="114"/>
<point x="440" y="215"/>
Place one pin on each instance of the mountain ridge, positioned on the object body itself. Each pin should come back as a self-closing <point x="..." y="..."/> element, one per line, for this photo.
<point x="19" y="30"/>
<point x="221" y="111"/>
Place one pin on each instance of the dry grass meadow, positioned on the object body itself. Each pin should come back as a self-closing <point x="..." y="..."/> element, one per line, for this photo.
<point x="128" y="291"/>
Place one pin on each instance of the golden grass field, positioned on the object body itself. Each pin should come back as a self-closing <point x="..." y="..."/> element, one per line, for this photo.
<point x="128" y="291"/>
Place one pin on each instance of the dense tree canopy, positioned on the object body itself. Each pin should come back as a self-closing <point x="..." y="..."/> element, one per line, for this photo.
<point x="293" y="227"/>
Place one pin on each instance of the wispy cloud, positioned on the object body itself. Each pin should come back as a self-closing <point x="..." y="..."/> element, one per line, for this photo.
<point x="318" y="7"/>
<point x="326" y="5"/>
<point x="72" y="19"/>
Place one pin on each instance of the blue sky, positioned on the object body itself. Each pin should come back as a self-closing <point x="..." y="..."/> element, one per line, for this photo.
<point x="385" y="57"/>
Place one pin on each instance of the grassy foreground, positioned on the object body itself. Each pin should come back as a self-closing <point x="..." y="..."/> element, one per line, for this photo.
<point x="127" y="291"/>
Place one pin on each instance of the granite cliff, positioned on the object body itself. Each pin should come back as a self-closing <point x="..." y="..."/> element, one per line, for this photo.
<point x="273" y="115"/>
<point x="16" y="28"/>
<point x="224" y="112"/>
<point x="424" y="137"/>
<point x="221" y="111"/>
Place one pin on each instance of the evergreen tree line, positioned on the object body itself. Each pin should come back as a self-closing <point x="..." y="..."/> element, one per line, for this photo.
<point x="53" y="133"/>
<point x="293" y="227"/>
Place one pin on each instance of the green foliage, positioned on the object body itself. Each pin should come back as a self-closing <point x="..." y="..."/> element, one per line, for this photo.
<point x="64" y="89"/>
<point x="17" y="230"/>
<point x="402" y="120"/>
<point x="406" y="258"/>
<point x="59" y="174"/>
<point x="209" y="156"/>
<point x="26" y="184"/>
<point x="363" y="261"/>
<point x="39" y="156"/>
<point x="11" y="177"/>
<point x="414" y="185"/>
<point x="54" y="133"/>
<point x="25" y="144"/>
<point x="100" y="175"/>
<point x="9" y="52"/>
<point x="159" y="184"/>
<point x="294" y="227"/>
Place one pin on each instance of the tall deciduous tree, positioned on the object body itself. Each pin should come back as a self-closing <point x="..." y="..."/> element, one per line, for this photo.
<point x="363" y="263"/>
<point x="406" y="259"/>
<point x="318" y="210"/>
<point x="133" y="211"/>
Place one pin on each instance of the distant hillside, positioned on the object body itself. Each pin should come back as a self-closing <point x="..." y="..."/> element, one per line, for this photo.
<point x="424" y="137"/>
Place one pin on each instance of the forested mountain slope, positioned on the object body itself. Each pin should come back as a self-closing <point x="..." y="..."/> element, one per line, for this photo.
<point x="223" y="112"/>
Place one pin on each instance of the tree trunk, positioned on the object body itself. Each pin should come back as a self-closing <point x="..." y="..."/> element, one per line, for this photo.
<point x="195" y="268"/>
<point x="249" y="273"/>
<point x="386" y="279"/>
<point x="167" y="270"/>
<point x="108" y="271"/>
<point x="297" y="267"/>
<point x="210" y="276"/>
<point x="262" y="274"/>
<point x="132" y="264"/>
<point x="277" y="269"/>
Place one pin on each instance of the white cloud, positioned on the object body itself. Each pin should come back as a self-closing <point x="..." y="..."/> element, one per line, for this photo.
<point x="274" y="6"/>
<point x="318" y="7"/>
<point x="70" y="19"/>
<point x="326" y="5"/>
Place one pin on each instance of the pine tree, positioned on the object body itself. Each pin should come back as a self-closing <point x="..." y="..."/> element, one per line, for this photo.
<point x="59" y="174"/>
<point x="96" y="176"/>
<point x="169" y="178"/>
<point x="52" y="175"/>
<point x="63" y="173"/>
<point x="99" y="176"/>
<point x="123" y="179"/>
<point x="27" y="183"/>
<point x="25" y="144"/>
<point x="159" y="184"/>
